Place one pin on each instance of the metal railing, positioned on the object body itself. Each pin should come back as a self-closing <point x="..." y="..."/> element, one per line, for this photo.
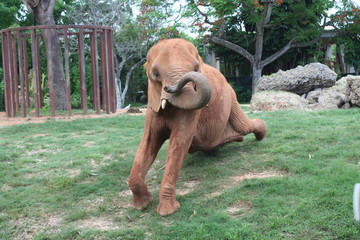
<point x="16" y="67"/>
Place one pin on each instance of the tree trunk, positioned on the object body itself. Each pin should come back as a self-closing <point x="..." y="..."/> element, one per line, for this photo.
<point x="128" y="76"/>
<point x="341" y="48"/>
<point x="256" y="60"/>
<point x="118" y="70"/>
<point x="256" y="75"/>
<point x="43" y="12"/>
<point x="119" y="100"/>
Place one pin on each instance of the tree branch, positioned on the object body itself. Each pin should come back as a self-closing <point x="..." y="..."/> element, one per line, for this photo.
<point x="267" y="14"/>
<point x="291" y="44"/>
<point x="128" y="76"/>
<point x="217" y="39"/>
<point x="277" y="54"/>
<point x="31" y="4"/>
<point x="233" y="47"/>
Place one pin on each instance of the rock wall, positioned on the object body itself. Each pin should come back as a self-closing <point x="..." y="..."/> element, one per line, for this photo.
<point x="313" y="87"/>
<point x="352" y="91"/>
<point x="299" y="80"/>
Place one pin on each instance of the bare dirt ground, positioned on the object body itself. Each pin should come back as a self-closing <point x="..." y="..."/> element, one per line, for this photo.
<point x="5" y="121"/>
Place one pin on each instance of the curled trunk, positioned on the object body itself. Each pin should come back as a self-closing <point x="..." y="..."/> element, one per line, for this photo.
<point x="189" y="97"/>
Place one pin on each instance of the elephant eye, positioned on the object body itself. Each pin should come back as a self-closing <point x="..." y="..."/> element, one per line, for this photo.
<point x="156" y="74"/>
<point x="196" y="68"/>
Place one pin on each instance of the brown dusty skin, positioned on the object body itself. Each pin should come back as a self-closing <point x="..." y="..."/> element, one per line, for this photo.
<point x="219" y="120"/>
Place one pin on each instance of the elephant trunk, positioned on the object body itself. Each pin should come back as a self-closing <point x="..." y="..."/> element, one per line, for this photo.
<point x="190" y="98"/>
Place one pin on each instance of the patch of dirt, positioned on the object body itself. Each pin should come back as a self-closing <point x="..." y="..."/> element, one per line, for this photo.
<point x="189" y="187"/>
<point x="123" y="203"/>
<point x="5" y="121"/>
<point x="255" y="175"/>
<point x="30" y="175"/>
<point x="124" y="200"/>
<point x="42" y="150"/>
<point x="99" y="163"/>
<point x="125" y="193"/>
<point x="239" y="208"/>
<point x="39" y="135"/>
<point x="6" y="187"/>
<point x="235" y="180"/>
<point x="73" y="172"/>
<point x="93" y="203"/>
<point x="108" y="157"/>
<point x="134" y="110"/>
<point x="96" y="223"/>
<point x="93" y="163"/>
<point x="89" y="144"/>
<point x="167" y="222"/>
<point x="27" y="228"/>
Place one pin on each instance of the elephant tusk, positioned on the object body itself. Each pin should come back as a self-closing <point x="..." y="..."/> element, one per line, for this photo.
<point x="163" y="103"/>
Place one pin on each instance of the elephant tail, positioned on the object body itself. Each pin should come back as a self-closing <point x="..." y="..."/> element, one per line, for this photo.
<point x="244" y="125"/>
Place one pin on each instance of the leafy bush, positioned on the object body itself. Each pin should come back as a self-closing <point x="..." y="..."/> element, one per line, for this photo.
<point x="243" y="94"/>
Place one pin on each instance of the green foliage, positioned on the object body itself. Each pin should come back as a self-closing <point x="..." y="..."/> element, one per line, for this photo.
<point x="9" y="8"/>
<point x="68" y="180"/>
<point x="62" y="7"/>
<point x="346" y="21"/>
<point x="300" y="21"/>
<point x="243" y="95"/>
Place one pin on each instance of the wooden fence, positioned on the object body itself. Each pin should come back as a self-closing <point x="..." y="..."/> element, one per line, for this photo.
<point x="17" y="42"/>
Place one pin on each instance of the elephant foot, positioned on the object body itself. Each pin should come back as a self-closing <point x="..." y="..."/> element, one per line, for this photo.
<point x="167" y="207"/>
<point x="260" y="129"/>
<point x="141" y="201"/>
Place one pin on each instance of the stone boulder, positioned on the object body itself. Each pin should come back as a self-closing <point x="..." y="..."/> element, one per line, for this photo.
<point x="327" y="98"/>
<point x="276" y="100"/>
<point x="299" y="80"/>
<point x="352" y="92"/>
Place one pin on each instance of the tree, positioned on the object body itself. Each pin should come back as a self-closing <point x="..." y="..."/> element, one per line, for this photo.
<point x="9" y="8"/>
<point x="129" y="50"/>
<point x="43" y="11"/>
<point x="300" y="22"/>
<point x="133" y="35"/>
<point x="346" y="23"/>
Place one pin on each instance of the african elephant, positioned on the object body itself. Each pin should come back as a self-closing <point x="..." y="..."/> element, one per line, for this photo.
<point x="191" y="104"/>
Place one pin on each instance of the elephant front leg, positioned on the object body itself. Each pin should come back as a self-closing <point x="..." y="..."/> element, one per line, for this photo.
<point x="178" y="147"/>
<point x="147" y="151"/>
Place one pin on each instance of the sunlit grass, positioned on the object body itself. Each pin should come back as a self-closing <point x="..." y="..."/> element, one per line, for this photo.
<point x="68" y="180"/>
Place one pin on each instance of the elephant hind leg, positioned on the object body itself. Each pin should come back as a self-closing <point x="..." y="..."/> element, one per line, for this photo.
<point x="242" y="124"/>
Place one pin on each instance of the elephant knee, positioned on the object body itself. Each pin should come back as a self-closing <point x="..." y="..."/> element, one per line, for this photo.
<point x="135" y="183"/>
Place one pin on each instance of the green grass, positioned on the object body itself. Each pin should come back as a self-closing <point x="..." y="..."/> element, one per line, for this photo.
<point x="68" y="180"/>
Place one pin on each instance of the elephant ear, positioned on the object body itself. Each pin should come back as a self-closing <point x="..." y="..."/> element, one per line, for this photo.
<point x="154" y="92"/>
<point x="154" y="95"/>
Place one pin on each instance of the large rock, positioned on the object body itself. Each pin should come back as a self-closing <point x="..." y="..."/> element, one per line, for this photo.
<point x="328" y="98"/>
<point x="276" y="100"/>
<point x="299" y="80"/>
<point x="353" y="90"/>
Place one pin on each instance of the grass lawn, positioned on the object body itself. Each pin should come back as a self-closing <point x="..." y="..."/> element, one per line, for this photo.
<point x="68" y="180"/>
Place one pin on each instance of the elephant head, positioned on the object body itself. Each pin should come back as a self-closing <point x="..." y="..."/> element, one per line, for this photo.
<point x="174" y="75"/>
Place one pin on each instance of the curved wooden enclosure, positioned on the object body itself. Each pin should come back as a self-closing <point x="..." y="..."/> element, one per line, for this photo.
<point x="94" y="42"/>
